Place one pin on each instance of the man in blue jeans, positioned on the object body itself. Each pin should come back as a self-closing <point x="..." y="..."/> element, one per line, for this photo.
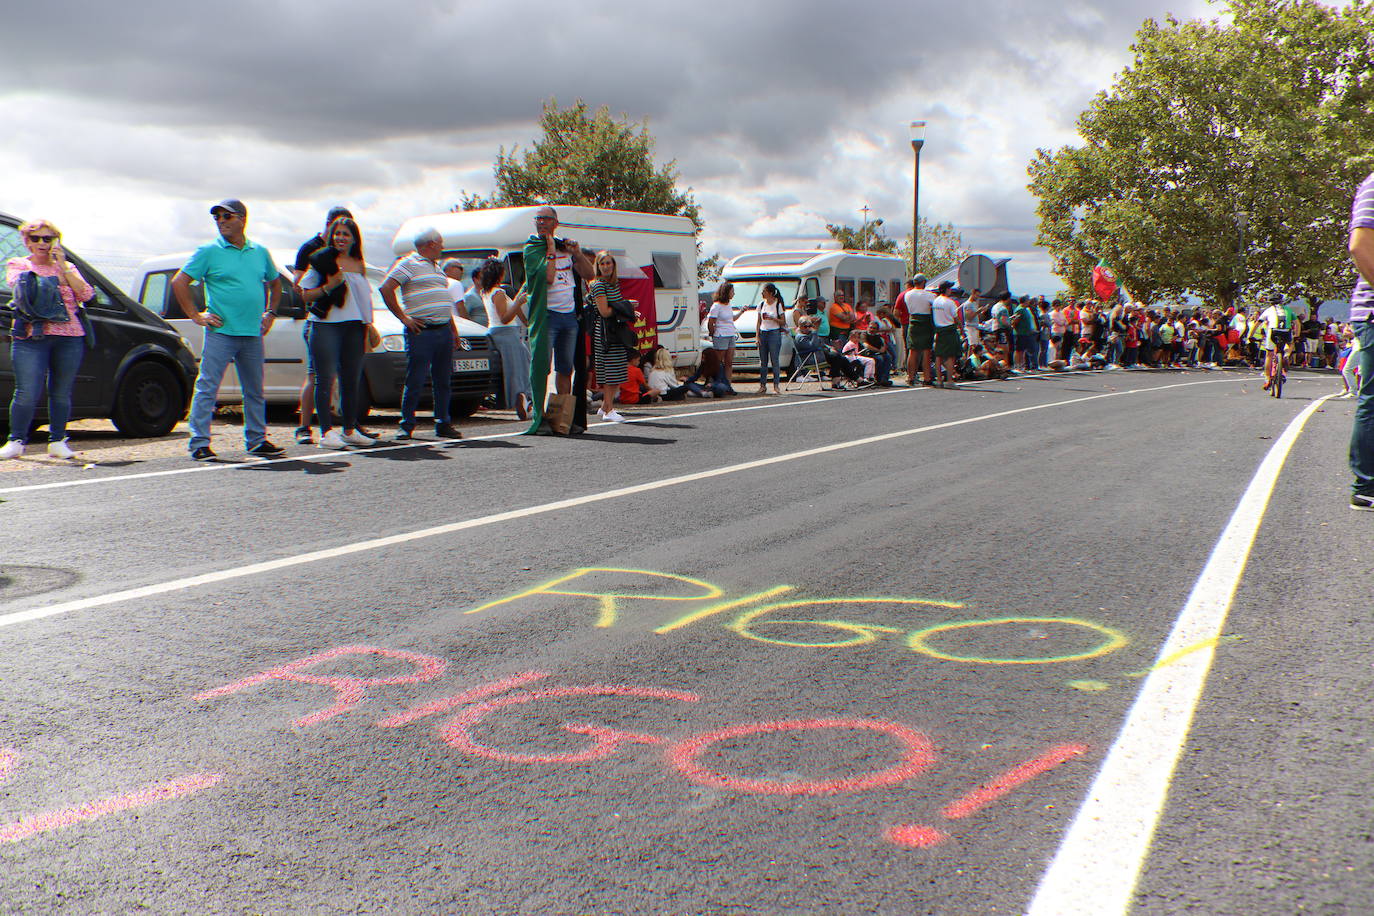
<point x="242" y="287"/>
<point x="1362" y="319"/>
<point x="426" y="309"/>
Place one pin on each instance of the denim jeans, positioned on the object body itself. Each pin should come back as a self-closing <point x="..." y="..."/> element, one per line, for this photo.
<point x="563" y="336"/>
<point x="246" y="355"/>
<point x="52" y="360"/>
<point x="770" y="352"/>
<point x="509" y="341"/>
<point x="429" y="355"/>
<point x="336" y="351"/>
<point x="1362" y="439"/>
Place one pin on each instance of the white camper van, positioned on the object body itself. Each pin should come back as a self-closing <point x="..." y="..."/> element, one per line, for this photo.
<point x="811" y="274"/>
<point x="656" y="256"/>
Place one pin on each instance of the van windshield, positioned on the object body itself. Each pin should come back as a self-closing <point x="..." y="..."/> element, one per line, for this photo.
<point x="749" y="292"/>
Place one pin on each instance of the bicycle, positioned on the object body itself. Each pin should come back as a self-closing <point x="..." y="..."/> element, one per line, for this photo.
<point x="1277" y="370"/>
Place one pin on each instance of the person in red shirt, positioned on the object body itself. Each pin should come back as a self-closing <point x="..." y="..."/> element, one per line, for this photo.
<point x="635" y="389"/>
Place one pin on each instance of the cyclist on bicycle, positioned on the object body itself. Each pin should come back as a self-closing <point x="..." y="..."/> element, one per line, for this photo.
<point x="1277" y="321"/>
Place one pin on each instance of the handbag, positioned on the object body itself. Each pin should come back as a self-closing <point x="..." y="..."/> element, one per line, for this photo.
<point x="559" y="413"/>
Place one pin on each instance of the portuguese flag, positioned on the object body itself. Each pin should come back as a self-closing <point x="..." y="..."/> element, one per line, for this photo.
<point x="1104" y="281"/>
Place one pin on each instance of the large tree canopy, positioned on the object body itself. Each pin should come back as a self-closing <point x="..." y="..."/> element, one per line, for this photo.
<point x="1222" y="161"/>
<point x="588" y="159"/>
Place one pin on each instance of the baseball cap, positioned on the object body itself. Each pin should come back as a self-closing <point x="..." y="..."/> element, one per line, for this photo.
<point x="945" y="286"/>
<point x="232" y="205"/>
<point x="919" y="279"/>
<point x="958" y="291"/>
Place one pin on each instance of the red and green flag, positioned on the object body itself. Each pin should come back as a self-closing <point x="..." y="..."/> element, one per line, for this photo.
<point x="1104" y="281"/>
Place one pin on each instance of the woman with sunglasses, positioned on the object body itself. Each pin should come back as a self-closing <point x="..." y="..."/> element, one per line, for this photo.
<point x="45" y="351"/>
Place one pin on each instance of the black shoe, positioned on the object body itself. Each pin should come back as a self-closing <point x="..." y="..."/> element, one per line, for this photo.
<point x="304" y="436"/>
<point x="203" y="454"/>
<point x="1362" y="502"/>
<point x="265" y="449"/>
<point x="402" y="435"/>
<point x="447" y="431"/>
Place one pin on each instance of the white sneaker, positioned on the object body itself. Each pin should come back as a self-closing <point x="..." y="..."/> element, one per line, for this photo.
<point x="612" y="416"/>
<point x="12" y="449"/>
<point x="333" y="440"/>
<point x="60" y="449"/>
<point x="357" y="438"/>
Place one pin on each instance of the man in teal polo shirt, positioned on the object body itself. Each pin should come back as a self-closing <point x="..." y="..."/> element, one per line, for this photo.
<point x="242" y="287"/>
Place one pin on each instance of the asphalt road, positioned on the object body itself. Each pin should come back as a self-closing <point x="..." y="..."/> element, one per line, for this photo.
<point x="818" y="654"/>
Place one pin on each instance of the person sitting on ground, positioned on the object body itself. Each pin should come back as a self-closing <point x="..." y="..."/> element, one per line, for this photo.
<point x="635" y="388"/>
<point x="980" y="363"/>
<point x="711" y="371"/>
<point x="663" y="379"/>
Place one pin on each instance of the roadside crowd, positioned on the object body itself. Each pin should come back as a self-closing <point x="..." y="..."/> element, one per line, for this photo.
<point x="571" y="306"/>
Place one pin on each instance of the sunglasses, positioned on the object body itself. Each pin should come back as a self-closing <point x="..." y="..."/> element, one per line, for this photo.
<point x="43" y="238"/>
<point x="222" y="215"/>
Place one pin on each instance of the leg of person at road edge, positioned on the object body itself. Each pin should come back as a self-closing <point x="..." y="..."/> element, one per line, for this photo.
<point x="1362" y="438"/>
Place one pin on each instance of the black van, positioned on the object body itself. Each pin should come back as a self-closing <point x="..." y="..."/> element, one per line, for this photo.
<point x="139" y="373"/>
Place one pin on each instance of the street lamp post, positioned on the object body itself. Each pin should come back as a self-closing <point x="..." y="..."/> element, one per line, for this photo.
<point x="918" y="140"/>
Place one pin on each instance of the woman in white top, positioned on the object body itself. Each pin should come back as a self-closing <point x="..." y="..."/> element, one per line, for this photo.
<point x="507" y="322"/>
<point x="340" y="303"/>
<point x="720" y="326"/>
<point x="772" y="316"/>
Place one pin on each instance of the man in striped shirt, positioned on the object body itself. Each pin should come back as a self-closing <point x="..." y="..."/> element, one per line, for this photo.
<point x="1362" y="319"/>
<point x="426" y="309"/>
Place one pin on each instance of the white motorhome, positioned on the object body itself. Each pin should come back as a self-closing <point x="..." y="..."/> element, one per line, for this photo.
<point x="812" y="275"/>
<point x="656" y="256"/>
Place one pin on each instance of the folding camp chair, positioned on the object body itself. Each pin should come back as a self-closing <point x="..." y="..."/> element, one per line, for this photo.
<point x="809" y="368"/>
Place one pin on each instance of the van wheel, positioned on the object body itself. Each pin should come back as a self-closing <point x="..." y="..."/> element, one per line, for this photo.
<point x="149" y="401"/>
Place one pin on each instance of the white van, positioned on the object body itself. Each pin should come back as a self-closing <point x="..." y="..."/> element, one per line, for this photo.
<point x="476" y="371"/>
<point x="813" y="274"/>
<point x="656" y="255"/>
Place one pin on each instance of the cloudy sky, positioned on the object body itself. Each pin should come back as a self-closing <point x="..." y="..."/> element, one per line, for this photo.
<point x="125" y="121"/>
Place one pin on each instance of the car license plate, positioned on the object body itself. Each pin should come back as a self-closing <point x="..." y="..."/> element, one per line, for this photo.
<point x="471" y="365"/>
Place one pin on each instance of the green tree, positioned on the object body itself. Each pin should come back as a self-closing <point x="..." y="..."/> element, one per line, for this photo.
<point x="942" y="246"/>
<point x="589" y="159"/>
<point x="1222" y="160"/>
<point x="708" y="269"/>
<point x="868" y="237"/>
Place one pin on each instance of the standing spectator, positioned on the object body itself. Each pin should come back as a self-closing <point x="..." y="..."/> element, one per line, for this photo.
<point x="920" y="335"/>
<point x="554" y="305"/>
<point x="1072" y="328"/>
<point x="612" y="359"/>
<point x="771" y="320"/>
<point x="431" y="332"/>
<point x="48" y="336"/>
<point x="467" y="301"/>
<point x="947" y="347"/>
<point x="1362" y="320"/>
<point x="507" y="333"/>
<point x="340" y="304"/>
<point x="298" y="269"/>
<point x="842" y="317"/>
<point x="1001" y="325"/>
<point x="902" y="318"/>
<point x="1025" y="332"/>
<point x="242" y="287"/>
<point x="968" y="317"/>
<point x="720" y="327"/>
<point x="1058" y="324"/>
<point x="1041" y="311"/>
<point x="1349" y="363"/>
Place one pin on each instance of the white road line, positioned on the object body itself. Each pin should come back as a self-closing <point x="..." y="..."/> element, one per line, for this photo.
<point x="238" y="572"/>
<point x="332" y="455"/>
<point x="1094" y="873"/>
